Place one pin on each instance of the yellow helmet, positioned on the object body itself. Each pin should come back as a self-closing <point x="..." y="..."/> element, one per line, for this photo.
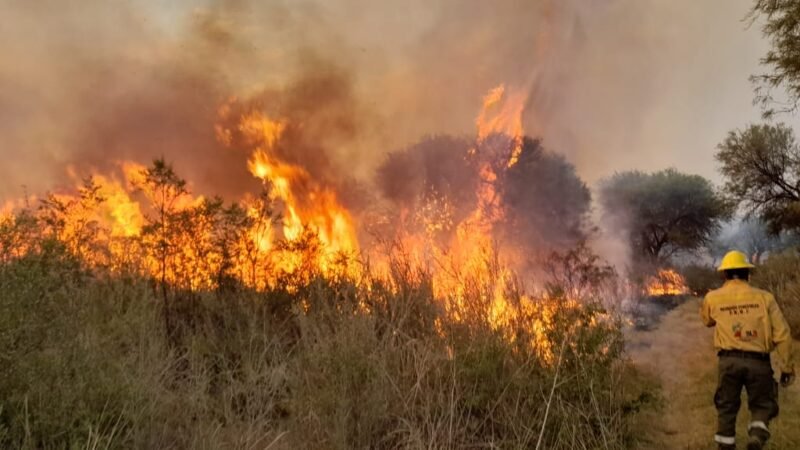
<point x="734" y="259"/>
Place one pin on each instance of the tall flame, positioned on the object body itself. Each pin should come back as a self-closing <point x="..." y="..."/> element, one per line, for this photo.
<point x="502" y="113"/>
<point x="308" y="204"/>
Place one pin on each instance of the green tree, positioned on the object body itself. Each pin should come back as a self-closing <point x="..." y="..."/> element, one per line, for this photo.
<point x="664" y="212"/>
<point x="761" y="166"/>
<point x="547" y="202"/>
<point x="781" y="25"/>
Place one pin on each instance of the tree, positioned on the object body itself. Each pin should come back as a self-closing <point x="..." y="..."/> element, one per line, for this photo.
<point x="664" y="212"/>
<point x="547" y="202"/>
<point x="71" y="221"/>
<point x="761" y="166"/>
<point x="434" y="166"/>
<point x="164" y="188"/>
<point x="782" y="20"/>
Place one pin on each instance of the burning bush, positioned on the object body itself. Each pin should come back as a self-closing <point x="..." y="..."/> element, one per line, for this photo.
<point x="379" y="363"/>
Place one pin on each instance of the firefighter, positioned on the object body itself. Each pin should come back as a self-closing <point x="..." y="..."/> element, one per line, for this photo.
<point x="748" y="325"/>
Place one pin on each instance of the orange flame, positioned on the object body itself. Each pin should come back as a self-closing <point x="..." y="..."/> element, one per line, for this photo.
<point x="464" y="258"/>
<point x="307" y="203"/>
<point x="502" y="113"/>
<point x="666" y="282"/>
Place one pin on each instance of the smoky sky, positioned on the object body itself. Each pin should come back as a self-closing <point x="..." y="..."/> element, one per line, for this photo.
<point x="613" y="84"/>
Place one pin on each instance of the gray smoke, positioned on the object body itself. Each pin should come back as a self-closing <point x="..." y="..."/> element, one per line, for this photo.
<point x="613" y="84"/>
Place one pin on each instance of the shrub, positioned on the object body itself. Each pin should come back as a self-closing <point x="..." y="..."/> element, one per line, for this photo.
<point x="780" y="275"/>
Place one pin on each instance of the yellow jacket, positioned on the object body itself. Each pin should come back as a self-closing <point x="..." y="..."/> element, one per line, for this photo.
<point x="747" y="319"/>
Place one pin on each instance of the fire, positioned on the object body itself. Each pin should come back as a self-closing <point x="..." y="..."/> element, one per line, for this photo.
<point x="307" y="203"/>
<point x="666" y="282"/>
<point x="144" y="220"/>
<point x="502" y="114"/>
<point x="120" y="211"/>
<point x="468" y="264"/>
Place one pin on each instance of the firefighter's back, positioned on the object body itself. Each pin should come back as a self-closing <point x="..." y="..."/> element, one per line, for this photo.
<point x="742" y="316"/>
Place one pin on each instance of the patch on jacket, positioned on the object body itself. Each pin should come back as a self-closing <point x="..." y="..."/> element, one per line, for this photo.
<point x="744" y="335"/>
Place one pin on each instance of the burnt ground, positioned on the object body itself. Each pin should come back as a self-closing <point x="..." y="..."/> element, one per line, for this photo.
<point x="647" y="312"/>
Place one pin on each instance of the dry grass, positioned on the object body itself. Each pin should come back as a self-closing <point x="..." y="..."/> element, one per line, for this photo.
<point x="86" y="364"/>
<point x="780" y="274"/>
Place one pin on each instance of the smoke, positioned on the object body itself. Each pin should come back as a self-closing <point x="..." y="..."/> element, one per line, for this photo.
<point x="612" y="84"/>
<point x="87" y="87"/>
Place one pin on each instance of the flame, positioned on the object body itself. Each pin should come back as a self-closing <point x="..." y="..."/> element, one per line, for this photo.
<point x="312" y="233"/>
<point x="471" y="257"/>
<point x="502" y="114"/>
<point x="122" y="214"/>
<point x="666" y="282"/>
<point x="307" y="203"/>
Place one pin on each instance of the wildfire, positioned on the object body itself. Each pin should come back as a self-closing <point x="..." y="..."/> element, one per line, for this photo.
<point x="502" y="114"/>
<point x="307" y="203"/>
<point x="120" y="211"/>
<point x="144" y="220"/>
<point x="465" y="258"/>
<point x="666" y="282"/>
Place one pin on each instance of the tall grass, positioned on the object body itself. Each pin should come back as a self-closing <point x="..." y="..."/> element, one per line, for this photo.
<point x="85" y="363"/>
<point x="780" y="275"/>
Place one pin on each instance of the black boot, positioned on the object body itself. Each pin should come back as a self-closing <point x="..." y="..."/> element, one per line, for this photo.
<point x="727" y="447"/>
<point x="758" y="438"/>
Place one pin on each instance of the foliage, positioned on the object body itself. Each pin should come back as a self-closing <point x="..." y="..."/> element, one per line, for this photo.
<point x="663" y="212"/>
<point x="433" y="166"/>
<point x="547" y="202"/>
<point x="780" y="275"/>
<point x="751" y="236"/>
<point x="761" y="166"/>
<point x="578" y="272"/>
<point x="782" y="19"/>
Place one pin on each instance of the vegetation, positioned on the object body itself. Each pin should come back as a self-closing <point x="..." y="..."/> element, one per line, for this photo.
<point x="781" y="21"/>
<point x="664" y="212"/>
<point x="169" y="343"/>
<point x="761" y="166"/>
<point x="548" y="202"/>
<point x="86" y="363"/>
<point x="751" y="236"/>
<point x="780" y="275"/>
<point x="545" y="203"/>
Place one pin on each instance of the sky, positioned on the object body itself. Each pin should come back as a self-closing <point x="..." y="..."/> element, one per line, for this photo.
<point x="612" y="85"/>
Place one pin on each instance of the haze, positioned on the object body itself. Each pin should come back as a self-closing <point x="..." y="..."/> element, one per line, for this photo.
<point x="613" y="84"/>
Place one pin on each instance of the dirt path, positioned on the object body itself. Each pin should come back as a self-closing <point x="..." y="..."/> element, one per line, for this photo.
<point x="680" y="353"/>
